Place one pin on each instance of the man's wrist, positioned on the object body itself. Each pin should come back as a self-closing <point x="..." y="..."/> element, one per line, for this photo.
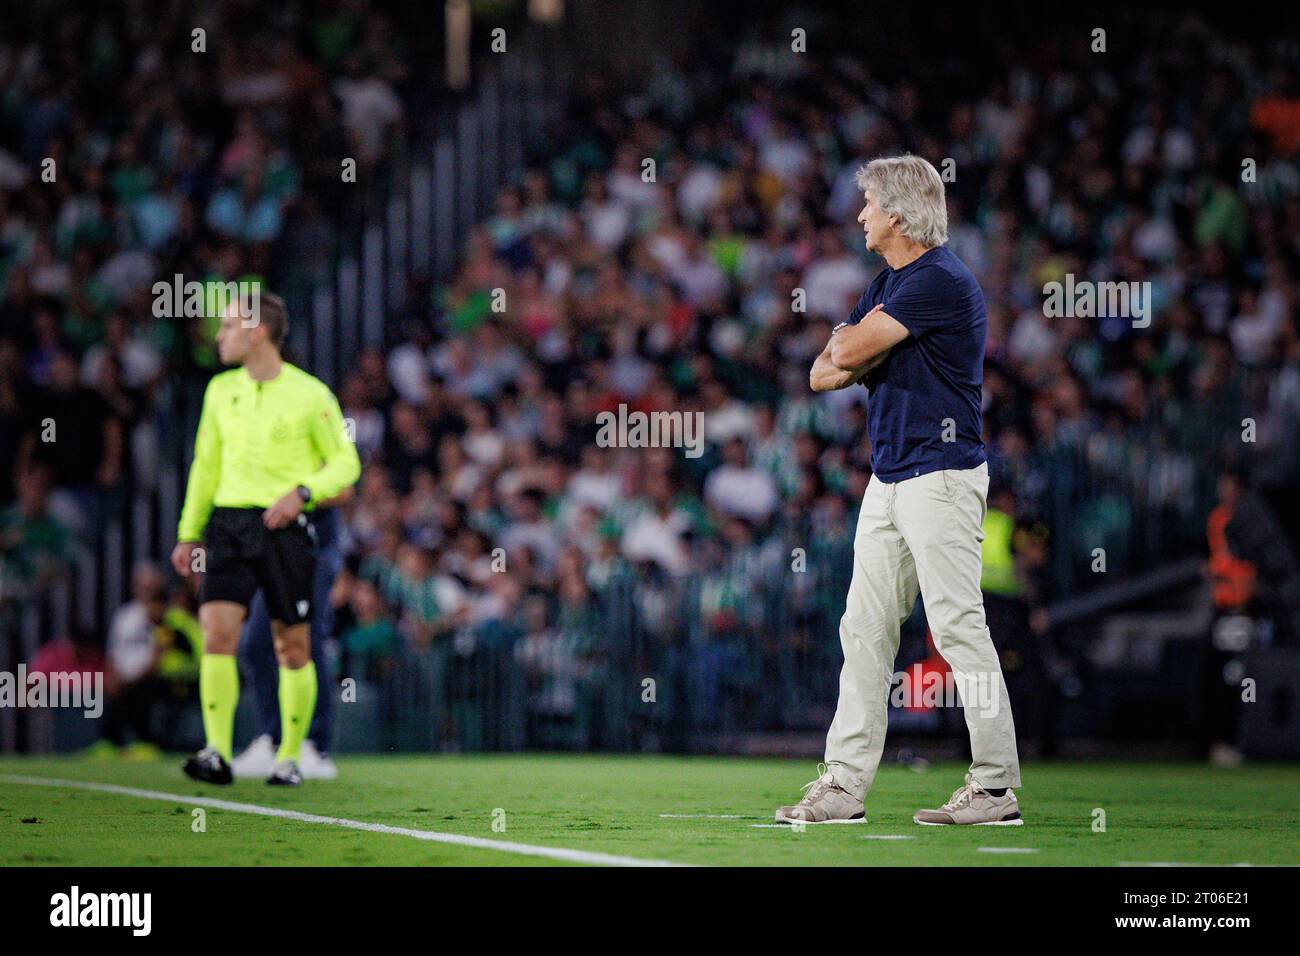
<point x="304" y="494"/>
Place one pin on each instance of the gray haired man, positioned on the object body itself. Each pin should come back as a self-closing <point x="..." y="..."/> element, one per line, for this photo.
<point x="916" y="340"/>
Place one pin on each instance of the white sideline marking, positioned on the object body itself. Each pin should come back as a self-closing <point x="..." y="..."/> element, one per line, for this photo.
<point x="701" y="816"/>
<point x="481" y="843"/>
<point x="888" y="836"/>
<point x="1007" y="849"/>
<point x="1129" y="863"/>
<point x="791" y="824"/>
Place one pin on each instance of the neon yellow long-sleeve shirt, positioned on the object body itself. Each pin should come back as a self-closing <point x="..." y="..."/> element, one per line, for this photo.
<point x="257" y="441"/>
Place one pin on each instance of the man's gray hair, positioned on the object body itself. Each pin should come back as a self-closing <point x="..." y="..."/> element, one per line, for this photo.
<point x="911" y="189"/>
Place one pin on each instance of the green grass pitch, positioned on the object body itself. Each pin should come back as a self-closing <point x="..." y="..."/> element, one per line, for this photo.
<point x="694" y="810"/>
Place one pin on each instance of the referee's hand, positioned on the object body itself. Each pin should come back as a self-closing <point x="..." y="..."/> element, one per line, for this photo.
<point x="183" y="557"/>
<point x="284" y="512"/>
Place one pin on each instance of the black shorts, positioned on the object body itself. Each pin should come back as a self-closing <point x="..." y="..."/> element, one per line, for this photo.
<point x="243" y="556"/>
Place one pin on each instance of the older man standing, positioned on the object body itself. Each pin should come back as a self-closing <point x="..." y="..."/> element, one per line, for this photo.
<point x="916" y="340"/>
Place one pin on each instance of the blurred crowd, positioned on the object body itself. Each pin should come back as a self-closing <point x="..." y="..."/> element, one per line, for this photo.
<point x="660" y="261"/>
<point x="686" y="245"/>
<point x="132" y="151"/>
<point x="141" y="141"/>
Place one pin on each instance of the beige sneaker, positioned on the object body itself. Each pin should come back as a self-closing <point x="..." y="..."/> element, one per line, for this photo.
<point x="824" y="801"/>
<point x="971" y="805"/>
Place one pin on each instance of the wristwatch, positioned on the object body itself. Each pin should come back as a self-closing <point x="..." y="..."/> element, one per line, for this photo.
<point x="842" y="325"/>
<point x="304" y="493"/>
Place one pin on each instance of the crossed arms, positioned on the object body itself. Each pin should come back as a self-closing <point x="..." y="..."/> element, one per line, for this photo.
<point x="855" y="350"/>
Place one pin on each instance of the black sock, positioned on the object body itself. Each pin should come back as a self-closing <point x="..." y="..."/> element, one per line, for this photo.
<point x="1000" y="792"/>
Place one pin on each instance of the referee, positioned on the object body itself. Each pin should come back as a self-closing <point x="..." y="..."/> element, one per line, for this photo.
<point x="270" y="446"/>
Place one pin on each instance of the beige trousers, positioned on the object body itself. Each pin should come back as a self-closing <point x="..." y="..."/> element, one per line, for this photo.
<point x="920" y="534"/>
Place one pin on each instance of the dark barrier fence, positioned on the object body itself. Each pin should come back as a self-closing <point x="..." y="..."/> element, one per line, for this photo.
<point x="647" y="662"/>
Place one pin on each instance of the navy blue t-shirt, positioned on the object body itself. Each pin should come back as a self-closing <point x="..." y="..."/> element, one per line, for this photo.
<point x="934" y="374"/>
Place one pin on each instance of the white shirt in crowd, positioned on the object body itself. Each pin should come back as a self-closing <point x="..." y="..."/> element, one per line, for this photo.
<point x="130" y="641"/>
<point x="743" y="492"/>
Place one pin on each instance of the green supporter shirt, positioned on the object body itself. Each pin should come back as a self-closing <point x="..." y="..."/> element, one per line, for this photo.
<point x="258" y="441"/>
